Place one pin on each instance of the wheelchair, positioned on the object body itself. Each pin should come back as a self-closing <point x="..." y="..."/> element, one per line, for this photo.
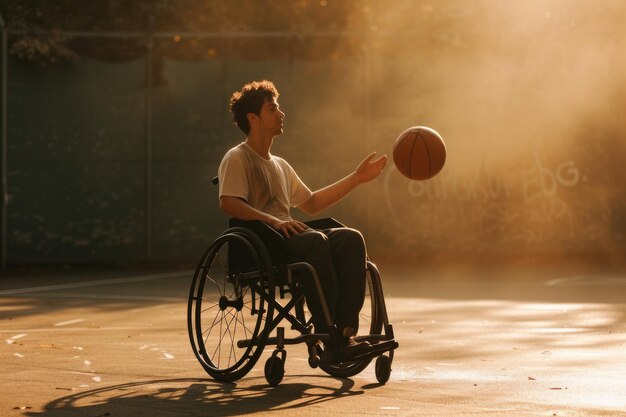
<point x="246" y="285"/>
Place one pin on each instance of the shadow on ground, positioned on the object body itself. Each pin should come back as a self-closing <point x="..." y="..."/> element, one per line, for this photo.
<point x="197" y="397"/>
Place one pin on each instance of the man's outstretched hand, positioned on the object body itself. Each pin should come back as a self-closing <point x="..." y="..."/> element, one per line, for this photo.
<point x="368" y="169"/>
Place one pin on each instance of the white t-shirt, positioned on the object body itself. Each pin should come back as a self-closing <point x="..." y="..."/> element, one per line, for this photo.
<point x="269" y="185"/>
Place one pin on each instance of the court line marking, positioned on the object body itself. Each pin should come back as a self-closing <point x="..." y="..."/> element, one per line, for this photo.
<point x="72" y="329"/>
<point x="65" y="323"/>
<point x="12" y="340"/>
<point x="116" y="297"/>
<point x="587" y="280"/>
<point x="81" y="373"/>
<point x="95" y="283"/>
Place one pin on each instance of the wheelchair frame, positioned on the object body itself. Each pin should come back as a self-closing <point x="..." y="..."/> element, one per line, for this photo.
<point x="245" y="266"/>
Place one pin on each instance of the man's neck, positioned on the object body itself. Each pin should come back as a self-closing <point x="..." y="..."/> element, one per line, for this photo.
<point x="260" y="144"/>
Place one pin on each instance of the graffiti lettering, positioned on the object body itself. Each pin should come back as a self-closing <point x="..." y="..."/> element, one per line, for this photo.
<point x="519" y="205"/>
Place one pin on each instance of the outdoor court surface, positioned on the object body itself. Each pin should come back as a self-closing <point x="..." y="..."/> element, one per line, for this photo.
<point x="522" y="340"/>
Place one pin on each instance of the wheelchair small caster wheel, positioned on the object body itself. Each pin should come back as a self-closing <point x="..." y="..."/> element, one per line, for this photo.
<point x="314" y="354"/>
<point x="314" y="361"/>
<point x="383" y="369"/>
<point x="274" y="370"/>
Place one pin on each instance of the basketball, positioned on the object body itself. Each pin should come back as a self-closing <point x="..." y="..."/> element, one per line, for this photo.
<point x="419" y="153"/>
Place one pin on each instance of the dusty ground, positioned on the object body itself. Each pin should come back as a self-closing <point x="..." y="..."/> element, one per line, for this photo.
<point x="523" y="341"/>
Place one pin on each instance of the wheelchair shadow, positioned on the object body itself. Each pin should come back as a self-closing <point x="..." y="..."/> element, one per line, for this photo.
<point x="177" y="397"/>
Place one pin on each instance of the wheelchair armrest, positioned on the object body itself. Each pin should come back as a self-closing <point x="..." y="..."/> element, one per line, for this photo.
<point x="274" y="241"/>
<point x="263" y="230"/>
<point x="326" y="223"/>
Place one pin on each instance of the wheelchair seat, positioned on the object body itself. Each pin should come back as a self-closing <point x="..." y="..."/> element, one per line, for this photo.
<point x="247" y="284"/>
<point x="274" y="241"/>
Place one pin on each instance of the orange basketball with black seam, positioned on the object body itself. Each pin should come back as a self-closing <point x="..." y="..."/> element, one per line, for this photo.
<point x="419" y="153"/>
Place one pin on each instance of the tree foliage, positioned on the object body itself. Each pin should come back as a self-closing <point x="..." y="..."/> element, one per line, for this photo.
<point x="48" y="32"/>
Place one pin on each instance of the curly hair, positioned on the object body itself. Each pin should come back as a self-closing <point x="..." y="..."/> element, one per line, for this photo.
<point x="250" y="100"/>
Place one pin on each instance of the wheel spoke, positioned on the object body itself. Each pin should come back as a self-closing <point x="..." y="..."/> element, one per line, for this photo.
<point x="240" y="322"/>
<point x="218" y="349"/>
<point x="207" y="309"/>
<point x="222" y="334"/>
<point x="221" y="290"/>
<point x="226" y="273"/>
<point x="211" y="327"/>
<point x="219" y="269"/>
<point x="232" y="343"/>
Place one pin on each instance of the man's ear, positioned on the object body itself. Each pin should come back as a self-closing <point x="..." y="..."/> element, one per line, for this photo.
<point x="252" y="117"/>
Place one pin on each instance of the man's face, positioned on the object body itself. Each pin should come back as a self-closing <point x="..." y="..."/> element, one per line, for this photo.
<point x="271" y="118"/>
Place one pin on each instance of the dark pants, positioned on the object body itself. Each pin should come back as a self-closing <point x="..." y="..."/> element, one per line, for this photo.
<point x="339" y="257"/>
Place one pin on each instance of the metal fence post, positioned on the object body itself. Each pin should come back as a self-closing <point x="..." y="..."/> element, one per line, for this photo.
<point x="3" y="121"/>
<point x="149" y="150"/>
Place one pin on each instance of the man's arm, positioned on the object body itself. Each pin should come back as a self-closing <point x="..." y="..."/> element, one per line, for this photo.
<point x="239" y="208"/>
<point x="328" y="196"/>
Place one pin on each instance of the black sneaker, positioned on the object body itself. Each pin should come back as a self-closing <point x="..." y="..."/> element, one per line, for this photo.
<point x="350" y="348"/>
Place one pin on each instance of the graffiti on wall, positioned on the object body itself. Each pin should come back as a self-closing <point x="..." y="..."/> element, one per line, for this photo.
<point x="533" y="203"/>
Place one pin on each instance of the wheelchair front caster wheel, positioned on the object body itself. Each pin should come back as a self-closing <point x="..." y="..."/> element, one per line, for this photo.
<point x="274" y="370"/>
<point x="314" y="357"/>
<point x="383" y="369"/>
<point x="314" y="361"/>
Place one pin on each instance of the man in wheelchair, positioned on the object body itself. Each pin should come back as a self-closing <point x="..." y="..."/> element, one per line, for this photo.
<point x="256" y="185"/>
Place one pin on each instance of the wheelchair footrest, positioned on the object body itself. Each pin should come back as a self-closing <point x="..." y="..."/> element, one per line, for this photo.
<point x="384" y="346"/>
<point x="376" y="350"/>
<point x="372" y="352"/>
<point x="305" y="338"/>
<point x="373" y="338"/>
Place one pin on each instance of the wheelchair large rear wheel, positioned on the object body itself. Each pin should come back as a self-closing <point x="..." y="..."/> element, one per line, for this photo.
<point x="370" y="322"/>
<point x="229" y="303"/>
